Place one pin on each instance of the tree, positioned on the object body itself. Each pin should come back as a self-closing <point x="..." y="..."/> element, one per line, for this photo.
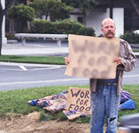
<point x="72" y="3"/>
<point x="83" y="5"/>
<point x="53" y="8"/>
<point x="3" y="12"/>
<point x="22" y="14"/>
<point x="135" y="5"/>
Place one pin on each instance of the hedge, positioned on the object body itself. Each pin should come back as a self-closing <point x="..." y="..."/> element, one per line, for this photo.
<point x="60" y="27"/>
<point x="130" y="37"/>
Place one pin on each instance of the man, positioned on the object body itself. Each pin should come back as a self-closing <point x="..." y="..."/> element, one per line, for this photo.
<point x="106" y="93"/>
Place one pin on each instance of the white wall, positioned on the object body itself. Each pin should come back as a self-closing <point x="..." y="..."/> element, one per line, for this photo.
<point x="118" y="17"/>
<point x="75" y="17"/>
<point x="95" y="17"/>
<point x="4" y="39"/>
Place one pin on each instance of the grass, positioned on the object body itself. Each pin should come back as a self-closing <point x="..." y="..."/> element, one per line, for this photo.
<point x="15" y="101"/>
<point x="133" y="90"/>
<point x="32" y="59"/>
<point x="135" y="50"/>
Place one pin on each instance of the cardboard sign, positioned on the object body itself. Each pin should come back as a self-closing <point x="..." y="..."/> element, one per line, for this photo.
<point x="92" y="57"/>
<point x="78" y="99"/>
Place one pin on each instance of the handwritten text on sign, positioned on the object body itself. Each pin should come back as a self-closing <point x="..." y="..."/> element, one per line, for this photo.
<point x="92" y="57"/>
<point x="78" y="99"/>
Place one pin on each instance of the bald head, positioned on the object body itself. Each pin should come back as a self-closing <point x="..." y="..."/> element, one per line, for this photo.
<point x="107" y="20"/>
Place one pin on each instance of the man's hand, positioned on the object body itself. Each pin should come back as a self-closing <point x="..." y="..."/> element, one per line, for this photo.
<point x="67" y="61"/>
<point x="117" y="60"/>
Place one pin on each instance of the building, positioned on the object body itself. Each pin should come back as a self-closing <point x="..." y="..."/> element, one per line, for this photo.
<point x="122" y="11"/>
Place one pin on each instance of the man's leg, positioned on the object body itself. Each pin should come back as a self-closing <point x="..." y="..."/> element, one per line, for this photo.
<point x="112" y="105"/>
<point x="97" y="110"/>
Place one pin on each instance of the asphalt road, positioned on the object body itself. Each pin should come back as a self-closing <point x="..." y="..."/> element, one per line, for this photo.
<point x="20" y="76"/>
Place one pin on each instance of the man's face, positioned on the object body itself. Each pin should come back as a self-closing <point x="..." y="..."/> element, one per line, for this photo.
<point x="108" y="29"/>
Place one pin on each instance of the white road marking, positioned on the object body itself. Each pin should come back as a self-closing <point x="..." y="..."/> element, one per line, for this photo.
<point x="43" y="81"/>
<point x="10" y="69"/>
<point x="129" y="76"/>
<point x="51" y="67"/>
<point x="33" y="69"/>
<point x="22" y="67"/>
<point x="28" y="64"/>
<point x="56" y="80"/>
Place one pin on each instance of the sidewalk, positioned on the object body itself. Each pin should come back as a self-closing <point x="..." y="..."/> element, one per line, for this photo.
<point x="37" y="49"/>
<point x="34" y="49"/>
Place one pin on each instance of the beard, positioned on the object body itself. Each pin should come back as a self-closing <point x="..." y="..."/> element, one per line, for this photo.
<point x="110" y="34"/>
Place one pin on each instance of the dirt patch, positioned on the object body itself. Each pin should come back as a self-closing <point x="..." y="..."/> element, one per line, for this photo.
<point x="29" y="124"/>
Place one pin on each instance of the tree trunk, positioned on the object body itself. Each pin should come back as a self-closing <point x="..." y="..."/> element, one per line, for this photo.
<point x="84" y="16"/>
<point x="0" y="34"/>
<point x="28" y="25"/>
<point x="84" y="19"/>
<point x="2" y="14"/>
<point x="48" y="17"/>
<point x="1" y="21"/>
<point x="135" y="6"/>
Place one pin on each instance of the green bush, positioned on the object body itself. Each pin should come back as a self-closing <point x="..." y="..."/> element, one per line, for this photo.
<point x="42" y="26"/>
<point x="68" y="27"/>
<point x="86" y="31"/>
<point x="10" y="36"/>
<point x="63" y="27"/>
<point x="130" y="37"/>
<point x="60" y="27"/>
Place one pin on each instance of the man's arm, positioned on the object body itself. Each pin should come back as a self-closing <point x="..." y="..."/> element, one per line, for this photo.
<point x="127" y="61"/>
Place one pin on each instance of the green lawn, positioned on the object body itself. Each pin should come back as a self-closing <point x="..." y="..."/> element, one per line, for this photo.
<point x="32" y="59"/>
<point x="133" y="90"/>
<point x="15" y="101"/>
<point x="136" y="50"/>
